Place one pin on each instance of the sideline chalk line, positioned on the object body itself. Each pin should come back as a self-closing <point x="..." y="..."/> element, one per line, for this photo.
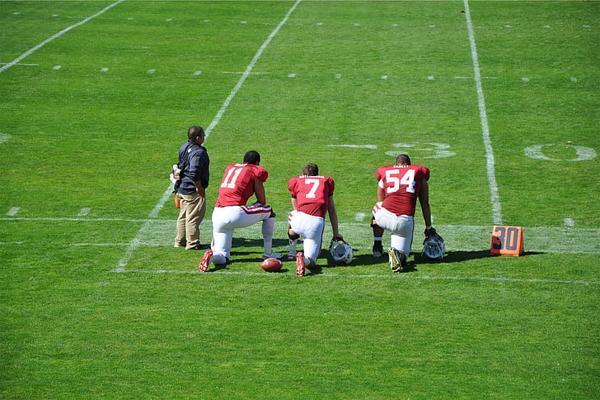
<point x="485" y="130"/>
<point x="386" y="276"/>
<point x="56" y="36"/>
<point x="135" y="243"/>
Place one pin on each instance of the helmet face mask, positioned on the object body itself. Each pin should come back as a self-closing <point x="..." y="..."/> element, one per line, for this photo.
<point x="341" y="252"/>
<point x="434" y="247"/>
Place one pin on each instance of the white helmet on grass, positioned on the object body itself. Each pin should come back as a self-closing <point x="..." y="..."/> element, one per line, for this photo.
<point x="341" y="252"/>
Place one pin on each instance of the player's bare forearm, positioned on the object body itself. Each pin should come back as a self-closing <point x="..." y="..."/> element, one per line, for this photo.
<point x="333" y="217"/>
<point x="259" y="191"/>
<point x="380" y="194"/>
<point x="294" y="204"/>
<point x="424" y="201"/>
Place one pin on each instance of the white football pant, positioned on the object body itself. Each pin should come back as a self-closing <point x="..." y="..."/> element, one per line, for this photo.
<point x="310" y="228"/>
<point x="400" y="226"/>
<point x="226" y="219"/>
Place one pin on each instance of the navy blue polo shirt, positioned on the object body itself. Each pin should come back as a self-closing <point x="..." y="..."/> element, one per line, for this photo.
<point x="194" y="160"/>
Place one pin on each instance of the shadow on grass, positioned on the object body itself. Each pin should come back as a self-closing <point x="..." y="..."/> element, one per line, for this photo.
<point x="463" y="255"/>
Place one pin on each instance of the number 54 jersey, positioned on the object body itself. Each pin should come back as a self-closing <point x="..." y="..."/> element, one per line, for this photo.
<point x="401" y="185"/>
<point x="311" y="193"/>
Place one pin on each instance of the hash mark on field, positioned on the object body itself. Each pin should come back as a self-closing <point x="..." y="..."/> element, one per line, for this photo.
<point x="547" y="26"/>
<point x="338" y="76"/>
<point x="569" y="222"/>
<point x="587" y="26"/>
<point x="197" y="73"/>
<point x="319" y="23"/>
<point x="55" y="15"/>
<point x="16" y="13"/>
<point x="394" y="25"/>
<point x="169" y="19"/>
<point x="291" y="75"/>
<point x="384" y="77"/>
<point x="84" y="211"/>
<point x="432" y="26"/>
<point x="356" y="24"/>
<point x="13" y="211"/>
<point x="359" y="217"/>
<point x="151" y="71"/>
<point x="57" y="67"/>
<point x="243" y="22"/>
<point x="573" y="79"/>
<point x="130" y="19"/>
<point x="525" y="79"/>
<point x="104" y="70"/>
<point x="431" y="78"/>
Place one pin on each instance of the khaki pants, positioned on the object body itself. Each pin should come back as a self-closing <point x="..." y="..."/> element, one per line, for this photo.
<point x="191" y="214"/>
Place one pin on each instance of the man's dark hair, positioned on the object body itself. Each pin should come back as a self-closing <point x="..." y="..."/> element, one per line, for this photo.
<point x="311" y="169"/>
<point x="194" y="132"/>
<point x="403" y="159"/>
<point x="252" y="157"/>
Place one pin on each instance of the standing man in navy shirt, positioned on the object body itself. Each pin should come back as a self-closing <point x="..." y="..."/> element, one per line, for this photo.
<point x="194" y="166"/>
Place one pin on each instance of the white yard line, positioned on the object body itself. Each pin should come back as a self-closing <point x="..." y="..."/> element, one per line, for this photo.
<point x="485" y="130"/>
<point x="74" y="219"/>
<point x="137" y="240"/>
<point x="248" y="70"/>
<point x="459" y="238"/>
<point x="56" y="36"/>
<point x="383" y="276"/>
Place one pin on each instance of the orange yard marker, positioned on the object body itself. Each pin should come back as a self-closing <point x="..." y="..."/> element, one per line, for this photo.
<point x="507" y="241"/>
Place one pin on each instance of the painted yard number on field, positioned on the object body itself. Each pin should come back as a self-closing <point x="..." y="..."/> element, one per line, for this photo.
<point x="507" y="241"/>
<point x="563" y="152"/>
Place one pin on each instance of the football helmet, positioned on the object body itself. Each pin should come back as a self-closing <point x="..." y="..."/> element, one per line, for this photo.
<point x="433" y="245"/>
<point x="341" y="252"/>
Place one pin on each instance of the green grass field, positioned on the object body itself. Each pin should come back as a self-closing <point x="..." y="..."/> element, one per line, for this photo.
<point x="96" y="303"/>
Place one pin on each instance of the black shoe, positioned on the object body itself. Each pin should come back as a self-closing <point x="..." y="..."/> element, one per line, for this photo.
<point x="377" y="249"/>
<point x="199" y="247"/>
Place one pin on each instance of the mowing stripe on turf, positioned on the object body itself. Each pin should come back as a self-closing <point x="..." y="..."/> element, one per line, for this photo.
<point x="56" y="36"/>
<point x="485" y="130"/>
<point x="135" y="243"/>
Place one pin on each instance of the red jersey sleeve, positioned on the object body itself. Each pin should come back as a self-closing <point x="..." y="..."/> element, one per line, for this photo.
<point x="292" y="186"/>
<point x="261" y="173"/>
<point x="330" y="185"/>
<point x="423" y="172"/>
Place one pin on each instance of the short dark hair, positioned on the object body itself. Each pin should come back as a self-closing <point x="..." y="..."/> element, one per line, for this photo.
<point x="252" y="157"/>
<point x="403" y="159"/>
<point x="195" y="131"/>
<point x="311" y="169"/>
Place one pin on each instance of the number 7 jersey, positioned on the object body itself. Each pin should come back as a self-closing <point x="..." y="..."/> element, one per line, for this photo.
<point x="401" y="185"/>
<point x="311" y="193"/>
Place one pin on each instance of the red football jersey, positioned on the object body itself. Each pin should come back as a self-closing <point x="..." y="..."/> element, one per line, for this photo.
<point x="237" y="185"/>
<point x="401" y="185"/>
<point x="311" y="193"/>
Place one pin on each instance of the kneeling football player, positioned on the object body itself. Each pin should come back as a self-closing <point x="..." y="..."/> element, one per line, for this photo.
<point x="399" y="186"/>
<point x="312" y="198"/>
<point x="240" y="182"/>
